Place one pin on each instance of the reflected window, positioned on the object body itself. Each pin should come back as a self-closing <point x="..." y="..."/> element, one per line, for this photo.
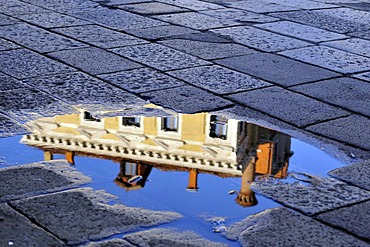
<point x="131" y="121"/>
<point x="130" y="168"/>
<point x="170" y="123"/>
<point x="88" y="117"/>
<point x="218" y="127"/>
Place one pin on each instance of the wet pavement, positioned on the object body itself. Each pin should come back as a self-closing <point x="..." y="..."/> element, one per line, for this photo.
<point x="259" y="134"/>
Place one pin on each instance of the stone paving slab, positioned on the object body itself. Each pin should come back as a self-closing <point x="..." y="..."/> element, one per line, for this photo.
<point x="260" y="6"/>
<point x="17" y="230"/>
<point x="354" y="219"/>
<point x="353" y="45"/>
<point x="357" y="174"/>
<point x="194" y="5"/>
<point x="94" y="60"/>
<point x="239" y="15"/>
<point x="8" y="83"/>
<point x="7" y="45"/>
<point x="52" y="20"/>
<point x="311" y="195"/>
<point x="22" y="63"/>
<point x="364" y="76"/>
<point x="187" y="99"/>
<point x="152" y="8"/>
<point x="161" y="32"/>
<point x="207" y="50"/>
<point x="6" y="20"/>
<point x="330" y="58"/>
<point x="283" y="227"/>
<point x="301" y="31"/>
<point x="218" y="79"/>
<point x="142" y="80"/>
<point x="282" y="71"/>
<point x="83" y="90"/>
<point x="340" y="92"/>
<point x="38" y="178"/>
<point x="159" y="56"/>
<point x="206" y="36"/>
<point x="306" y="4"/>
<point x="38" y="39"/>
<point x="196" y="21"/>
<point x="294" y="108"/>
<point x="169" y="237"/>
<point x="92" y="217"/>
<point x="361" y="34"/>
<point x="16" y="8"/>
<point x="359" y="5"/>
<point x="353" y="130"/>
<point x="100" y="36"/>
<point x="261" y="39"/>
<point x="9" y="127"/>
<point x="64" y="6"/>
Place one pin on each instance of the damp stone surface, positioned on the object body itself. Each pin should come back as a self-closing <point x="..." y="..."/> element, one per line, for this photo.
<point x="9" y="127"/>
<point x="161" y="32"/>
<point x="52" y="20"/>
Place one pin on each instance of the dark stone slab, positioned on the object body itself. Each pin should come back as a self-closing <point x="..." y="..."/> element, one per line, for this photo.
<point x="152" y="8"/>
<point x="360" y="5"/>
<point x="15" y="8"/>
<point x="117" y="242"/>
<point x="65" y="6"/>
<point x="9" y="83"/>
<point x="9" y="127"/>
<point x="364" y="76"/>
<point x="38" y="178"/>
<point x="353" y="219"/>
<point x="207" y="50"/>
<point x="198" y="21"/>
<point x="92" y="217"/>
<point x="100" y="36"/>
<point x="17" y="230"/>
<point x="325" y="20"/>
<point x="283" y="227"/>
<point x="155" y="33"/>
<point x="115" y="3"/>
<point x="186" y="99"/>
<point x="357" y="174"/>
<point x="218" y="79"/>
<point x="7" y="45"/>
<point x="53" y="19"/>
<point x="207" y="36"/>
<point x="194" y="5"/>
<point x="82" y="90"/>
<point x="239" y="15"/>
<point x="142" y="80"/>
<point x="23" y="63"/>
<point x="94" y="60"/>
<point x="38" y="39"/>
<point x="277" y="69"/>
<point x="261" y="6"/>
<point x="310" y="194"/>
<point x="294" y="108"/>
<point x="6" y="20"/>
<point x="159" y="56"/>
<point x="361" y="34"/>
<point x="340" y="91"/>
<point x="169" y="237"/>
<point x="353" y="130"/>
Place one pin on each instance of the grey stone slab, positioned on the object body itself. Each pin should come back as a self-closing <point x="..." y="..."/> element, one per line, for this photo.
<point x="7" y="45"/>
<point x="161" y="32"/>
<point x="152" y="8"/>
<point x="313" y="195"/>
<point x="194" y="5"/>
<point x="6" y="20"/>
<point x="218" y="79"/>
<point x="207" y="50"/>
<point x="116" y="3"/>
<point x="15" y="8"/>
<point x="364" y="76"/>
<point x="17" y="230"/>
<point x="206" y="36"/>
<point x="330" y="58"/>
<point x="22" y="63"/>
<point x="261" y="6"/>
<point x="323" y="20"/>
<point x="196" y="21"/>
<point x="159" y="56"/>
<point x="187" y="99"/>
<point x="117" y="242"/>
<point x="358" y="5"/>
<point x="8" y="83"/>
<point x="294" y="108"/>
<point x="353" y="130"/>
<point x="53" y="19"/>
<point x="353" y="219"/>
<point x="356" y="174"/>
<point x="92" y="217"/>
<point x="169" y="237"/>
<point x="65" y="6"/>
<point x="307" y="4"/>
<point x="80" y="89"/>
<point x="38" y="39"/>
<point x="38" y="178"/>
<point x="301" y="31"/>
<point x="346" y="92"/>
<point x="360" y="17"/>
<point x="361" y="34"/>
<point x="239" y="15"/>
<point x="353" y="45"/>
<point x="261" y="39"/>
<point x="25" y="104"/>
<point x="100" y="36"/>
<point x="283" y="227"/>
<point x="142" y="80"/>
<point x="94" y="60"/>
<point x="281" y="70"/>
<point x="9" y="127"/>
<point x="118" y="19"/>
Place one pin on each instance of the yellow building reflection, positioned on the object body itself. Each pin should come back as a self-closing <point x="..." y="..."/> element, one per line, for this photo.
<point x="196" y="143"/>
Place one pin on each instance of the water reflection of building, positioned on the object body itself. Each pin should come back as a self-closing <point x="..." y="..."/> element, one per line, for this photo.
<point x="197" y="143"/>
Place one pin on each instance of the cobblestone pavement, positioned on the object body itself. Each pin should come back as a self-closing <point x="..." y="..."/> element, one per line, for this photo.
<point x="301" y="66"/>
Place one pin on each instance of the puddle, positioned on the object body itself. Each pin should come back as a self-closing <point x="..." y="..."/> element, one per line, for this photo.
<point x="200" y="165"/>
